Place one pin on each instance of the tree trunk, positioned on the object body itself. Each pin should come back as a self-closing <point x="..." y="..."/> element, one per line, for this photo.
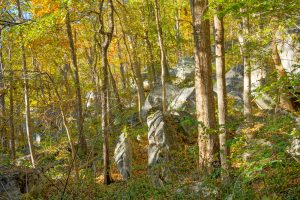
<point x="221" y="90"/>
<point x="208" y="143"/>
<point x="152" y="77"/>
<point x="122" y="71"/>
<point x="284" y="101"/>
<point x="82" y="141"/>
<point x="163" y="59"/>
<point x="138" y="77"/>
<point x="26" y="94"/>
<point x="247" y="69"/>
<point x="107" y="37"/>
<point x="2" y="95"/>
<point x="11" y="109"/>
<point x="116" y="91"/>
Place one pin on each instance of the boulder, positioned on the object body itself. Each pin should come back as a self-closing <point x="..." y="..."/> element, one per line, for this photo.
<point x="294" y="148"/>
<point x="185" y="70"/>
<point x="16" y="181"/>
<point x="185" y="100"/>
<point x="163" y="139"/>
<point x="154" y="98"/>
<point x="234" y="83"/>
<point x="199" y="190"/>
<point x="123" y="156"/>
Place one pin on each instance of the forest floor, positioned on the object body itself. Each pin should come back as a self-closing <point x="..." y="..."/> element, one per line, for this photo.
<point x="262" y="168"/>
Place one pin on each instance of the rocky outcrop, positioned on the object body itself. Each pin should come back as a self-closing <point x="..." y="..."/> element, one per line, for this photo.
<point x="294" y="148"/>
<point x="164" y="138"/>
<point x="16" y="181"/>
<point x="154" y="98"/>
<point x="123" y="155"/>
<point x="185" y="100"/>
<point x="184" y="71"/>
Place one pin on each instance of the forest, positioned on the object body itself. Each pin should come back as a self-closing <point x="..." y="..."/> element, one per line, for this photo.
<point x="150" y="99"/>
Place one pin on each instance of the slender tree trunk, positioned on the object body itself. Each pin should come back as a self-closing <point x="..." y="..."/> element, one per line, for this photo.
<point x="284" y="101"/>
<point x="177" y="28"/>
<point x="66" y="126"/>
<point x="138" y="77"/>
<point x="26" y="94"/>
<point x="2" y="95"/>
<point x="221" y="91"/>
<point x="107" y="37"/>
<point x="247" y="69"/>
<point x="163" y="59"/>
<point x="11" y="109"/>
<point x="152" y="78"/>
<point x="208" y="143"/>
<point x="82" y="141"/>
<point x="122" y="71"/>
<point x="116" y="91"/>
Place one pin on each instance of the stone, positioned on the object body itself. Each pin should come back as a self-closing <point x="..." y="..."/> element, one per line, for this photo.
<point x="123" y="156"/>
<point x="294" y="149"/>
<point x="185" y="100"/>
<point x="235" y="83"/>
<point x="154" y="98"/>
<point x="16" y="181"/>
<point x="185" y="70"/>
<point x="164" y="137"/>
<point x="199" y="189"/>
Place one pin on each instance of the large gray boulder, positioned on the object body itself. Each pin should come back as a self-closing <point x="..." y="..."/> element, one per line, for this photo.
<point x="289" y="49"/>
<point x="294" y="148"/>
<point x="184" y="101"/>
<point x="185" y="70"/>
<point x="154" y="98"/>
<point x="123" y="156"/>
<point x="16" y="181"/>
<point x="164" y="139"/>
<point x="235" y="83"/>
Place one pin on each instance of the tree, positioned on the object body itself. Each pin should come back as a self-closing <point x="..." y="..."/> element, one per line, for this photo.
<point x="247" y="68"/>
<point x="26" y="93"/>
<point x="207" y="142"/>
<point x="106" y="40"/>
<point x="82" y="141"/>
<point x="163" y="58"/>
<point x="221" y="88"/>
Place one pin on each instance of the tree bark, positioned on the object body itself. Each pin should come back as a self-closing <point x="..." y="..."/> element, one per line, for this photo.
<point x="284" y="101"/>
<point x="26" y="94"/>
<point x="82" y="141"/>
<point x="247" y="69"/>
<point x="116" y="91"/>
<point x="138" y="77"/>
<point x="221" y="91"/>
<point x="11" y="109"/>
<point x="163" y="59"/>
<point x="122" y="70"/>
<point x="2" y="95"/>
<point x="208" y="142"/>
<point x="107" y="37"/>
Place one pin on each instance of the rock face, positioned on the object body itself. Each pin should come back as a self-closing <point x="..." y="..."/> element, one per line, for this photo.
<point x="185" y="100"/>
<point x="154" y="99"/>
<point x="288" y="48"/>
<point x="185" y="70"/>
<point x="177" y="99"/>
<point x="163" y="139"/>
<point x="123" y="155"/>
<point x="16" y="181"/>
<point x="234" y="83"/>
